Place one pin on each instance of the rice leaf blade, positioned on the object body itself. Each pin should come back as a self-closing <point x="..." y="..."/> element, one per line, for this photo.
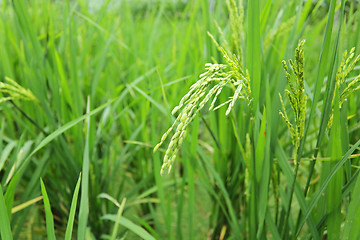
<point x="334" y="218"/>
<point x="70" y="223"/>
<point x="5" y="228"/>
<point x="48" y="214"/>
<point x="84" y="200"/>
<point x="139" y="231"/>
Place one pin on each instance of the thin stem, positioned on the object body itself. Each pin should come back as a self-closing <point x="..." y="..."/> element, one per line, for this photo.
<point x="28" y="118"/>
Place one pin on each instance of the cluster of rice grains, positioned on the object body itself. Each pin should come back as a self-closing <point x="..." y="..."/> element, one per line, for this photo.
<point x="13" y="91"/>
<point x="345" y="86"/>
<point x="209" y="86"/>
<point x="296" y="95"/>
<point x="217" y="76"/>
<point x="351" y="85"/>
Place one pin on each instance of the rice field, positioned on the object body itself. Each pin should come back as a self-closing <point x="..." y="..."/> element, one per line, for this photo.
<point x="179" y="119"/>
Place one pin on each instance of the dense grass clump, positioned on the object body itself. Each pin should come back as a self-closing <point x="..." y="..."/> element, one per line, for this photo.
<point x="259" y="146"/>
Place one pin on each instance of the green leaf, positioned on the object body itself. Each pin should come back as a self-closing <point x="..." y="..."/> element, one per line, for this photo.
<point x="334" y="195"/>
<point x="48" y="214"/>
<point x="253" y="60"/>
<point x="70" y="223"/>
<point x="10" y="193"/>
<point x="5" y="228"/>
<point x="266" y="167"/>
<point x="84" y="202"/>
<point x="260" y="148"/>
<point x="118" y="216"/>
<point x="129" y="225"/>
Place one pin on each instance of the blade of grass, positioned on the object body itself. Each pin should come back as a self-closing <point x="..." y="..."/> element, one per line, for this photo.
<point x="260" y="148"/>
<point x="5" y="228"/>
<point x="253" y="64"/>
<point x="10" y="193"/>
<point x="118" y="216"/>
<point x="253" y="54"/>
<point x="70" y="223"/>
<point x="48" y="213"/>
<point x="266" y="167"/>
<point x="161" y="108"/>
<point x="334" y="191"/>
<point x="5" y="152"/>
<point x="25" y="204"/>
<point x="264" y="16"/>
<point x="139" y="231"/>
<point x="148" y="227"/>
<point x="84" y="201"/>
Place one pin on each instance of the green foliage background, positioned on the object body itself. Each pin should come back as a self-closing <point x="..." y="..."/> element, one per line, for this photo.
<point x="96" y="86"/>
